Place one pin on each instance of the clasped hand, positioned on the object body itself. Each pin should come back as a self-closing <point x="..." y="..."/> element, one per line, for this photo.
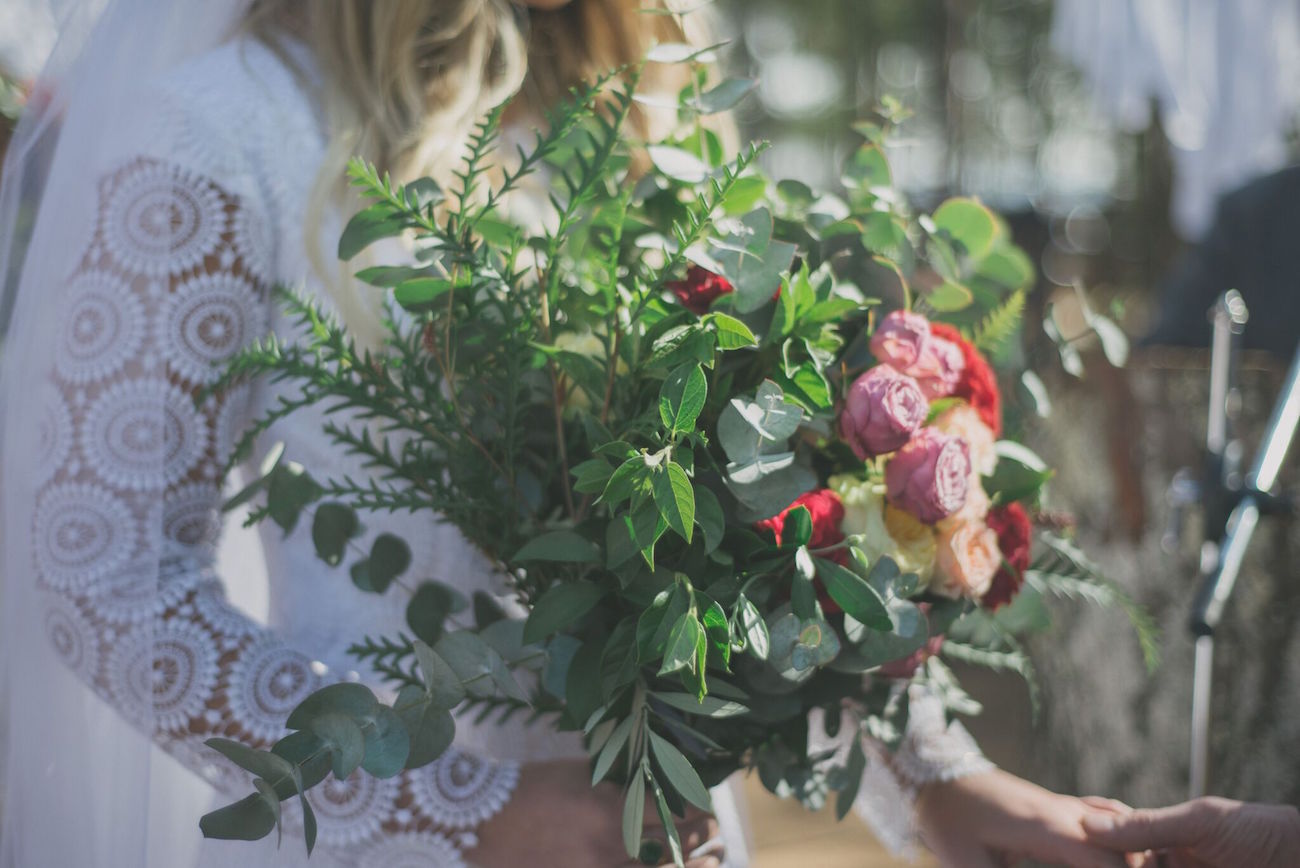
<point x="995" y="819"/>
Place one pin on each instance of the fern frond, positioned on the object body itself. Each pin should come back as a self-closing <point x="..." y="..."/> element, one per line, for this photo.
<point x="386" y="657"/>
<point x="1065" y="571"/>
<point x="1014" y="660"/>
<point x="1001" y="324"/>
<point x="699" y="215"/>
<point x="561" y="122"/>
<point x="501" y="709"/>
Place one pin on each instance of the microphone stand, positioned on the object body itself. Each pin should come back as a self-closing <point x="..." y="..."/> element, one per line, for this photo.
<point x="1232" y="507"/>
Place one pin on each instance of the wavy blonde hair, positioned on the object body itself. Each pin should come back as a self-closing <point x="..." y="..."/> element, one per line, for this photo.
<point x="404" y="82"/>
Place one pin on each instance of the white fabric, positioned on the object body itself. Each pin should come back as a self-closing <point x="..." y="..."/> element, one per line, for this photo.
<point x="27" y="29"/>
<point x="932" y="750"/>
<point x="1224" y="75"/>
<point x="178" y="196"/>
<point x="199" y="208"/>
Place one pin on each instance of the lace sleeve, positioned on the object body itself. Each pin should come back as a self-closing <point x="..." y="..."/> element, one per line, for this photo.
<point x="932" y="749"/>
<point x="168" y="286"/>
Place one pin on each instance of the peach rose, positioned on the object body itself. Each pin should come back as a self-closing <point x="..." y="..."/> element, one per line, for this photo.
<point x="967" y="560"/>
<point x="975" y="509"/>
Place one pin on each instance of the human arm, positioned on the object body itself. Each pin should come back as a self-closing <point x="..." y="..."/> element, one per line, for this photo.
<point x="1206" y="833"/>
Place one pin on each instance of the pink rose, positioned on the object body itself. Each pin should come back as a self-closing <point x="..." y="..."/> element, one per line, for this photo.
<point x="882" y="410"/>
<point x="967" y="561"/>
<point x="964" y="421"/>
<point x="939" y="369"/>
<point x="904" y="341"/>
<point x="929" y="477"/>
<point x="900" y="338"/>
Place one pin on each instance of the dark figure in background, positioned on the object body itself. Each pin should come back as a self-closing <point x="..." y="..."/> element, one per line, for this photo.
<point x="1254" y="247"/>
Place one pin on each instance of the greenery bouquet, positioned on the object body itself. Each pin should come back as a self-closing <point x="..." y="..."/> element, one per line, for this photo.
<point x="737" y="446"/>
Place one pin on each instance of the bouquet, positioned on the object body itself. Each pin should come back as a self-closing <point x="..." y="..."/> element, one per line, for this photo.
<point x="735" y="443"/>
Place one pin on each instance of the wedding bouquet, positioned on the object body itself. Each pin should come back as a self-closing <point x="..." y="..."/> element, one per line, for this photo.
<point x="734" y="443"/>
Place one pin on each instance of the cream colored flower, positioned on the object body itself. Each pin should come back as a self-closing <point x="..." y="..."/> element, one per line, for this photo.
<point x="881" y="530"/>
<point x="968" y="559"/>
<point x="914" y="542"/>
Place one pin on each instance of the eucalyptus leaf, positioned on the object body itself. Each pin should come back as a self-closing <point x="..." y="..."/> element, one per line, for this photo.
<point x="344" y="738"/>
<point x="431" y="728"/>
<point x="331" y="529"/>
<point x="969" y="223"/>
<point x="249" y="819"/>
<point x="724" y="96"/>
<point x="352" y="700"/>
<point x="389" y="558"/>
<point x="388" y="744"/>
<point x="441" y="684"/>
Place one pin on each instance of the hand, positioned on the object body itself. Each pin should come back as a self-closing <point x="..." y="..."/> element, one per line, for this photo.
<point x="1206" y="833"/>
<point x="993" y="819"/>
<point x="556" y="819"/>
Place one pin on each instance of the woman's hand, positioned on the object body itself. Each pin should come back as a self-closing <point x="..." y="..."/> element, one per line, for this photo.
<point x="1206" y="833"/>
<point x="990" y="820"/>
<point x="556" y="819"/>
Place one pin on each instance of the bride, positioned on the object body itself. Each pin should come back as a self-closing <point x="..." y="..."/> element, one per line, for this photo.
<point x="188" y="159"/>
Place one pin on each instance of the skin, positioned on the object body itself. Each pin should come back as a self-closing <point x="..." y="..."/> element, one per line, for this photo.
<point x="1204" y="833"/>
<point x="557" y="819"/>
<point x="994" y="819"/>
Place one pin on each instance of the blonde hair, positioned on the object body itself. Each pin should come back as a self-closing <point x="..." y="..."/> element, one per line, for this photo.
<point x="404" y="82"/>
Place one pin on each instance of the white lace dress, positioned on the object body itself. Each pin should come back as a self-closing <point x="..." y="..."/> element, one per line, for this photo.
<point x="201" y="209"/>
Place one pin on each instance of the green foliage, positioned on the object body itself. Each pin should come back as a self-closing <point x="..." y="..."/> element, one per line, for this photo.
<point x="541" y="388"/>
<point x="1063" y="570"/>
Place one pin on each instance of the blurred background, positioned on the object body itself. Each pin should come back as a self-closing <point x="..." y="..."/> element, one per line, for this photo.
<point x="1108" y="133"/>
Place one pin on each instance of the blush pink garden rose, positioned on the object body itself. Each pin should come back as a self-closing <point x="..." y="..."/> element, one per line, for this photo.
<point x="904" y="341"/>
<point x="900" y="338"/>
<point x="968" y="559"/>
<point x="930" y="476"/>
<point x="881" y="411"/>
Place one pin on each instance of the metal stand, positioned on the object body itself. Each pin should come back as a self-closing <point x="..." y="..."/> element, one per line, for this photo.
<point x="1233" y="508"/>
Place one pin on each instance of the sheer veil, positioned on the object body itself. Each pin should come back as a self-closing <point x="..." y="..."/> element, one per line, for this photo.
<point x="82" y="786"/>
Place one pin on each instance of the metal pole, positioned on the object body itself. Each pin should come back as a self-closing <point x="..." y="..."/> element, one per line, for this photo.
<point x="1217" y="589"/>
<point x="1201" y="680"/>
<point x="1229" y="317"/>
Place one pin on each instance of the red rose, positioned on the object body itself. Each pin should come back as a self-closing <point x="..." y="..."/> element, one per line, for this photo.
<point x="827" y="512"/>
<point x="978" y="385"/>
<point x="906" y="667"/>
<point x="1011" y="524"/>
<point x="699" y="289"/>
